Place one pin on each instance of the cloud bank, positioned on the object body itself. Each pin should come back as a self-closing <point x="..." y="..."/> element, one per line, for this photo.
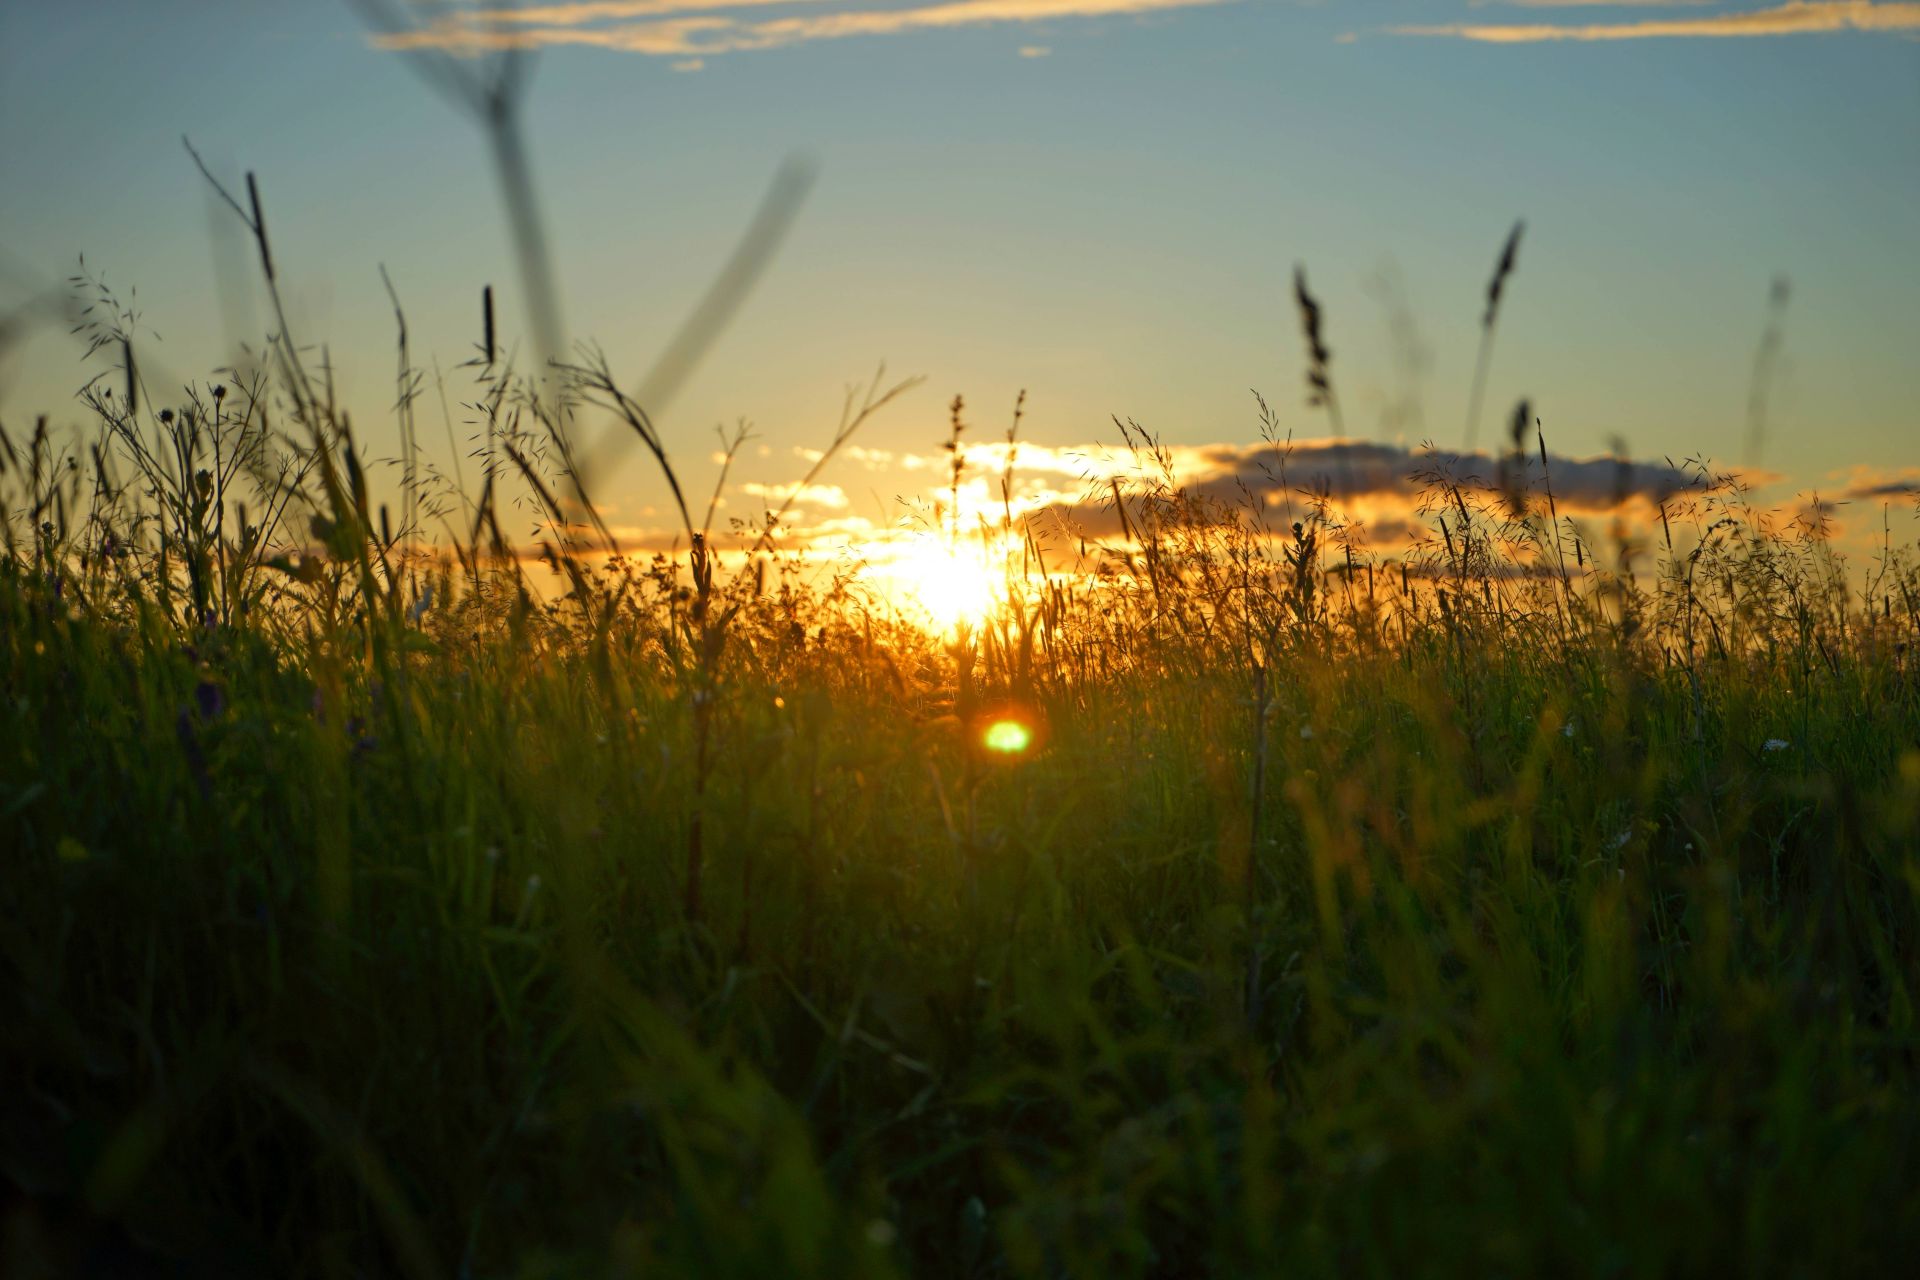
<point x="1380" y="487"/>
<point x="1386" y="492"/>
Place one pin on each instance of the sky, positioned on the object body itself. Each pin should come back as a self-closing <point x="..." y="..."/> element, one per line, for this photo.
<point x="1101" y="202"/>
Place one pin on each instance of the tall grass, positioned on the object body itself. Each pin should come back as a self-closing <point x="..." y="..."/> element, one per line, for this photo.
<point x="372" y="905"/>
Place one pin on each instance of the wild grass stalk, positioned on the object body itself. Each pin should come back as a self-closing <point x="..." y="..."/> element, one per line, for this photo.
<point x="1496" y="290"/>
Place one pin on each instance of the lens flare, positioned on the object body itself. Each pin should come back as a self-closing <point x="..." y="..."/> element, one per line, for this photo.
<point x="1007" y="738"/>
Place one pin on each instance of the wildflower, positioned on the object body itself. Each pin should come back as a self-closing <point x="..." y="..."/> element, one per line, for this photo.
<point x="210" y="699"/>
<point x="1775" y="744"/>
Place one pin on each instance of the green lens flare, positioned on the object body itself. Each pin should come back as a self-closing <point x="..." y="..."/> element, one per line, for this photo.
<point x="1009" y="737"/>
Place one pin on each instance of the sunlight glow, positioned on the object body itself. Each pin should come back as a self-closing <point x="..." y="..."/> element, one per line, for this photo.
<point x="953" y="587"/>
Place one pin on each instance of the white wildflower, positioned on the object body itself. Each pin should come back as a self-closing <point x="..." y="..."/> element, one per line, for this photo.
<point x="1775" y="744"/>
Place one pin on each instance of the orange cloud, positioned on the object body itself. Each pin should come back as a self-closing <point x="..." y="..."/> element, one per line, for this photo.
<point x="1382" y="491"/>
<point x="573" y="15"/>
<point x="1388" y="498"/>
<point x="1879" y="484"/>
<point x="1605" y="4"/>
<point x="813" y="495"/>
<point x="708" y="27"/>
<point x="1797" y="17"/>
<point x="674" y="38"/>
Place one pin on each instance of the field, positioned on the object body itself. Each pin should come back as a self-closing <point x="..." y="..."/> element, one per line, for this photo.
<point x="377" y="904"/>
<point x="387" y="891"/>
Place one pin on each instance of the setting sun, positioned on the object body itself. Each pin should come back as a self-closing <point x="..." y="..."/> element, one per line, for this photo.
<point x="951" y="586"/>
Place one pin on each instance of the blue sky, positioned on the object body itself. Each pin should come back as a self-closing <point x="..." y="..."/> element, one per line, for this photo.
<point x="1102" y="207"/>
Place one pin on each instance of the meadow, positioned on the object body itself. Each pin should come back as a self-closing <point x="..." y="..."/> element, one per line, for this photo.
<point x="382" y="897"/>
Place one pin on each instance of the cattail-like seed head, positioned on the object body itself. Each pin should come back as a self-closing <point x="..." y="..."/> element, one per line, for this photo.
<point x="1509" y="256"/>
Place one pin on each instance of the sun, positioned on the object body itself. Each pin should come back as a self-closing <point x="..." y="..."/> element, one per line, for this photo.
<point x="951" y="586"/>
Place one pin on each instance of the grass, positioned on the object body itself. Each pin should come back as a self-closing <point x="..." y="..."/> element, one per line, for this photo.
<point x="365" y="911"/>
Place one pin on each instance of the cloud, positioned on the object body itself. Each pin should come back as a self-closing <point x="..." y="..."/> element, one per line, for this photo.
<point x="1389" y="497"/>
<point x="1606" y="4"/>
<point x="1796" y="17"/>
<point x="1876" y="484"/>
<point x="813" y="495"/>
<point x="573" y="15"/>
<point x="464" y="37"/>
<point x="990" y="456"/>
<point x="859" y="455"/>
<point x="690" y="29"/>
<point x="1358" y="469"/>
<point x="1387" y="493"/>
<point x="1889" y="489"/>
<point x="1377" y="487"/>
